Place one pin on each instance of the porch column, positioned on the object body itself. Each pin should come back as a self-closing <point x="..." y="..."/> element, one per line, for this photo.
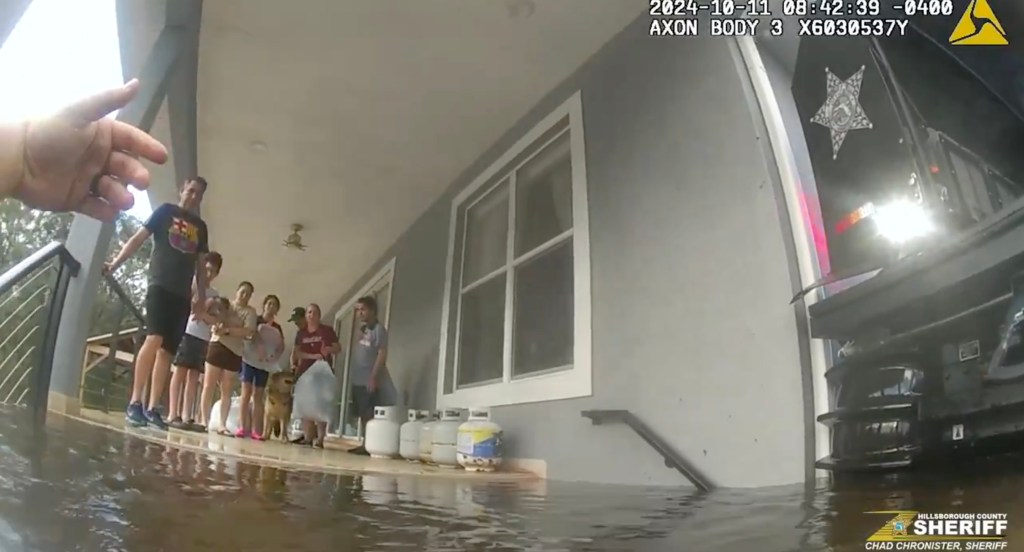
<point x="89" y="239"/>
<point x="10" y="13"/>
<point x="181" y="95"/>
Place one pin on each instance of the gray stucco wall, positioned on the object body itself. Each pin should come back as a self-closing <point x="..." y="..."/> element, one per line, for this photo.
<point x="692" y="329"/>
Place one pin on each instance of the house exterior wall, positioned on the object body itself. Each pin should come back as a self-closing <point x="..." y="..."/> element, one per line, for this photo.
<point x="691" y="323"/>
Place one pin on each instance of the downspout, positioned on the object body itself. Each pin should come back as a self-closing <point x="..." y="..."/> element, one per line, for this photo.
<point x="785" y="162"/>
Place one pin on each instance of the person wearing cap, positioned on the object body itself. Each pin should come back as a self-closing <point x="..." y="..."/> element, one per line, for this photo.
<point x="298" y="317"/>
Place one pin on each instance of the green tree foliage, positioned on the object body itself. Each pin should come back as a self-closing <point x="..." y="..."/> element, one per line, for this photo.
<point x="110" y="314"/>
<point x="24" y="310"/>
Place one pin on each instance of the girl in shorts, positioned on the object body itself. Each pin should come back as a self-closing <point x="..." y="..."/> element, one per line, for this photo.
<point x="254" y="380"/>
<point x="224" y="356"/>
<point x="191" y="356"/>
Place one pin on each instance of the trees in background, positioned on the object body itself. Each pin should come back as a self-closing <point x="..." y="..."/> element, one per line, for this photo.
<point x="23" y="310"/>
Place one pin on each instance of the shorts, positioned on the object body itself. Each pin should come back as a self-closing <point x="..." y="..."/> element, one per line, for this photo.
<point x="363" y="402"/>
<point x="220" y="356"/>
<point x="166" y="316"/>
<point x="192" y="353"/>
<point x="258" y="378"/>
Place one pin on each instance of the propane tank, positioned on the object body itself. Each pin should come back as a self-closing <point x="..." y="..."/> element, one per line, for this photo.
<point x="382" y="434"/>
<point x="444" y="438"/>
<point x="479" y="442"/>
<point x="409" y="435"/>
<point x="425" y="442"/>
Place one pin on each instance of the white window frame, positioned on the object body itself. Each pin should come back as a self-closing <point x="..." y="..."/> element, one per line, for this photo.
<point x="572" y="382"/>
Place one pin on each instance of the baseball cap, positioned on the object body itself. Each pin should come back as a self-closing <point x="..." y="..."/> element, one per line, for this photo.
<point x="298" y="314"/>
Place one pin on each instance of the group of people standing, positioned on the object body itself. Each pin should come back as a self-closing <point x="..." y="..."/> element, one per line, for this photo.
<point x="83" y="161"/>
<point x="190" y="326"/>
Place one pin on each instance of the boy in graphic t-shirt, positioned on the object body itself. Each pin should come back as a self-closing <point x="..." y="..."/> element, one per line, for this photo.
<point x="180" y="245"/>
<point x="368" y="363"/>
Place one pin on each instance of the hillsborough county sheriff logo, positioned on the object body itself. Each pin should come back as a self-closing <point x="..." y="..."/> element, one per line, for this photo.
<point x="908" y="530"/>
<point x="841" y="111"/>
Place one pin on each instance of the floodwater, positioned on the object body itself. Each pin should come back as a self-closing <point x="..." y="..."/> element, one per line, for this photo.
<point x="80" y="487"/>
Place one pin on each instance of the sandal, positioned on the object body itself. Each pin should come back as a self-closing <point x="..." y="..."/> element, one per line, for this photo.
<point x="224" y="432"/>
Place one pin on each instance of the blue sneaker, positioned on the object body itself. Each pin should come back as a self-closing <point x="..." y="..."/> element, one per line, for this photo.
<point x="134" y="415"/>
<point x="154" y="418"/>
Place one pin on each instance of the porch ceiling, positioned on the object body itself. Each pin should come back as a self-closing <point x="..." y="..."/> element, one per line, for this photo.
<point x="368" y="109"/>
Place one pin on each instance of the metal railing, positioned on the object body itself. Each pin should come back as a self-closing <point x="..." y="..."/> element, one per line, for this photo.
<point x="107" y="370"/>
<point x="33" y="293"/>
<point x="672" y="458"/>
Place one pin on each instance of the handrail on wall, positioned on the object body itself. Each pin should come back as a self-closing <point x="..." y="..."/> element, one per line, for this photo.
<point x="672" y="458"/>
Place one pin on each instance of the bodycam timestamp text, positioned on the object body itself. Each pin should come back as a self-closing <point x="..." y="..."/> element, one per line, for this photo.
<point x="762" y="8"/>
<point x="798" y="8"/>
<point x="805" y="18"/>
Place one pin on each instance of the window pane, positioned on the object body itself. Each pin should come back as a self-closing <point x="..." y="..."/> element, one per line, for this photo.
<point x="486" y="235"/>
<point x="482" y="339"/>
<point x="544" y="196"/>
<point x="543" y="328"/>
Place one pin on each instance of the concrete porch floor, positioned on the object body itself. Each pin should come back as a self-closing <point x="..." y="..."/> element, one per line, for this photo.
<point x="332" y="459"/>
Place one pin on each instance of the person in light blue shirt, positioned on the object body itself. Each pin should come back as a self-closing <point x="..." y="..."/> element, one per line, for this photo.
<point x="367" y="365"/>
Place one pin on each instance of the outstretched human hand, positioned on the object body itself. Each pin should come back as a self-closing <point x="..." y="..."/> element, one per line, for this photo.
<point x="79" y="160"/>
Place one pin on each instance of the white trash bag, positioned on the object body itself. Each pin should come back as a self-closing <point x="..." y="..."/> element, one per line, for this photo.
<point x="234" y="416"/>
<point x="273" y="348"/>
<point x="295" y="429"/>
<point x="315" y="394"/>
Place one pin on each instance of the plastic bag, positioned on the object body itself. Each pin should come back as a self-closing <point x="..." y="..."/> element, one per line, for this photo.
<point x="273" y="348"/>
<point x="315" y="394"/>
<point x="234" y="416"/>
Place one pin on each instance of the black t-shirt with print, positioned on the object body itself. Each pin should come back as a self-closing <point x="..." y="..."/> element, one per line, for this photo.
<point x="179" y="236"/>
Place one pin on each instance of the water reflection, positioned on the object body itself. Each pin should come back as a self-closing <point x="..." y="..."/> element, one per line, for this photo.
<point x="84" y="488"/>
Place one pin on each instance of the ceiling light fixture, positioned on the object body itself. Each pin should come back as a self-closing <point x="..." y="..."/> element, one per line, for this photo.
<point x="294" y="241"/>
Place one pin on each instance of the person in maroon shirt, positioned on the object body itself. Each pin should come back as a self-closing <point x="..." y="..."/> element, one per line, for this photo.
<point x="314" y="342"/>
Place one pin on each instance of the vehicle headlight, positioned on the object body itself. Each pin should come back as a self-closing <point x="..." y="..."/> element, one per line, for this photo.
<point x="903" y="220"/>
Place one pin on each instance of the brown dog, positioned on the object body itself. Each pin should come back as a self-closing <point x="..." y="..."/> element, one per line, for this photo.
<point x="278" y="411"/>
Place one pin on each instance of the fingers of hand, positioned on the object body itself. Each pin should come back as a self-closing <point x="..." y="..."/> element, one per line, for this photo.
<point x="128" y="169"/>
<point x="114" y="193"/>
<point x="137" y="143"/>
<point x="98" y="209"/>
<point x="101" y="104"/>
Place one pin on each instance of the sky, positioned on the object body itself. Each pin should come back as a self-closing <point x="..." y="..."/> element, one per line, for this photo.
<point x="64" y="50"/>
